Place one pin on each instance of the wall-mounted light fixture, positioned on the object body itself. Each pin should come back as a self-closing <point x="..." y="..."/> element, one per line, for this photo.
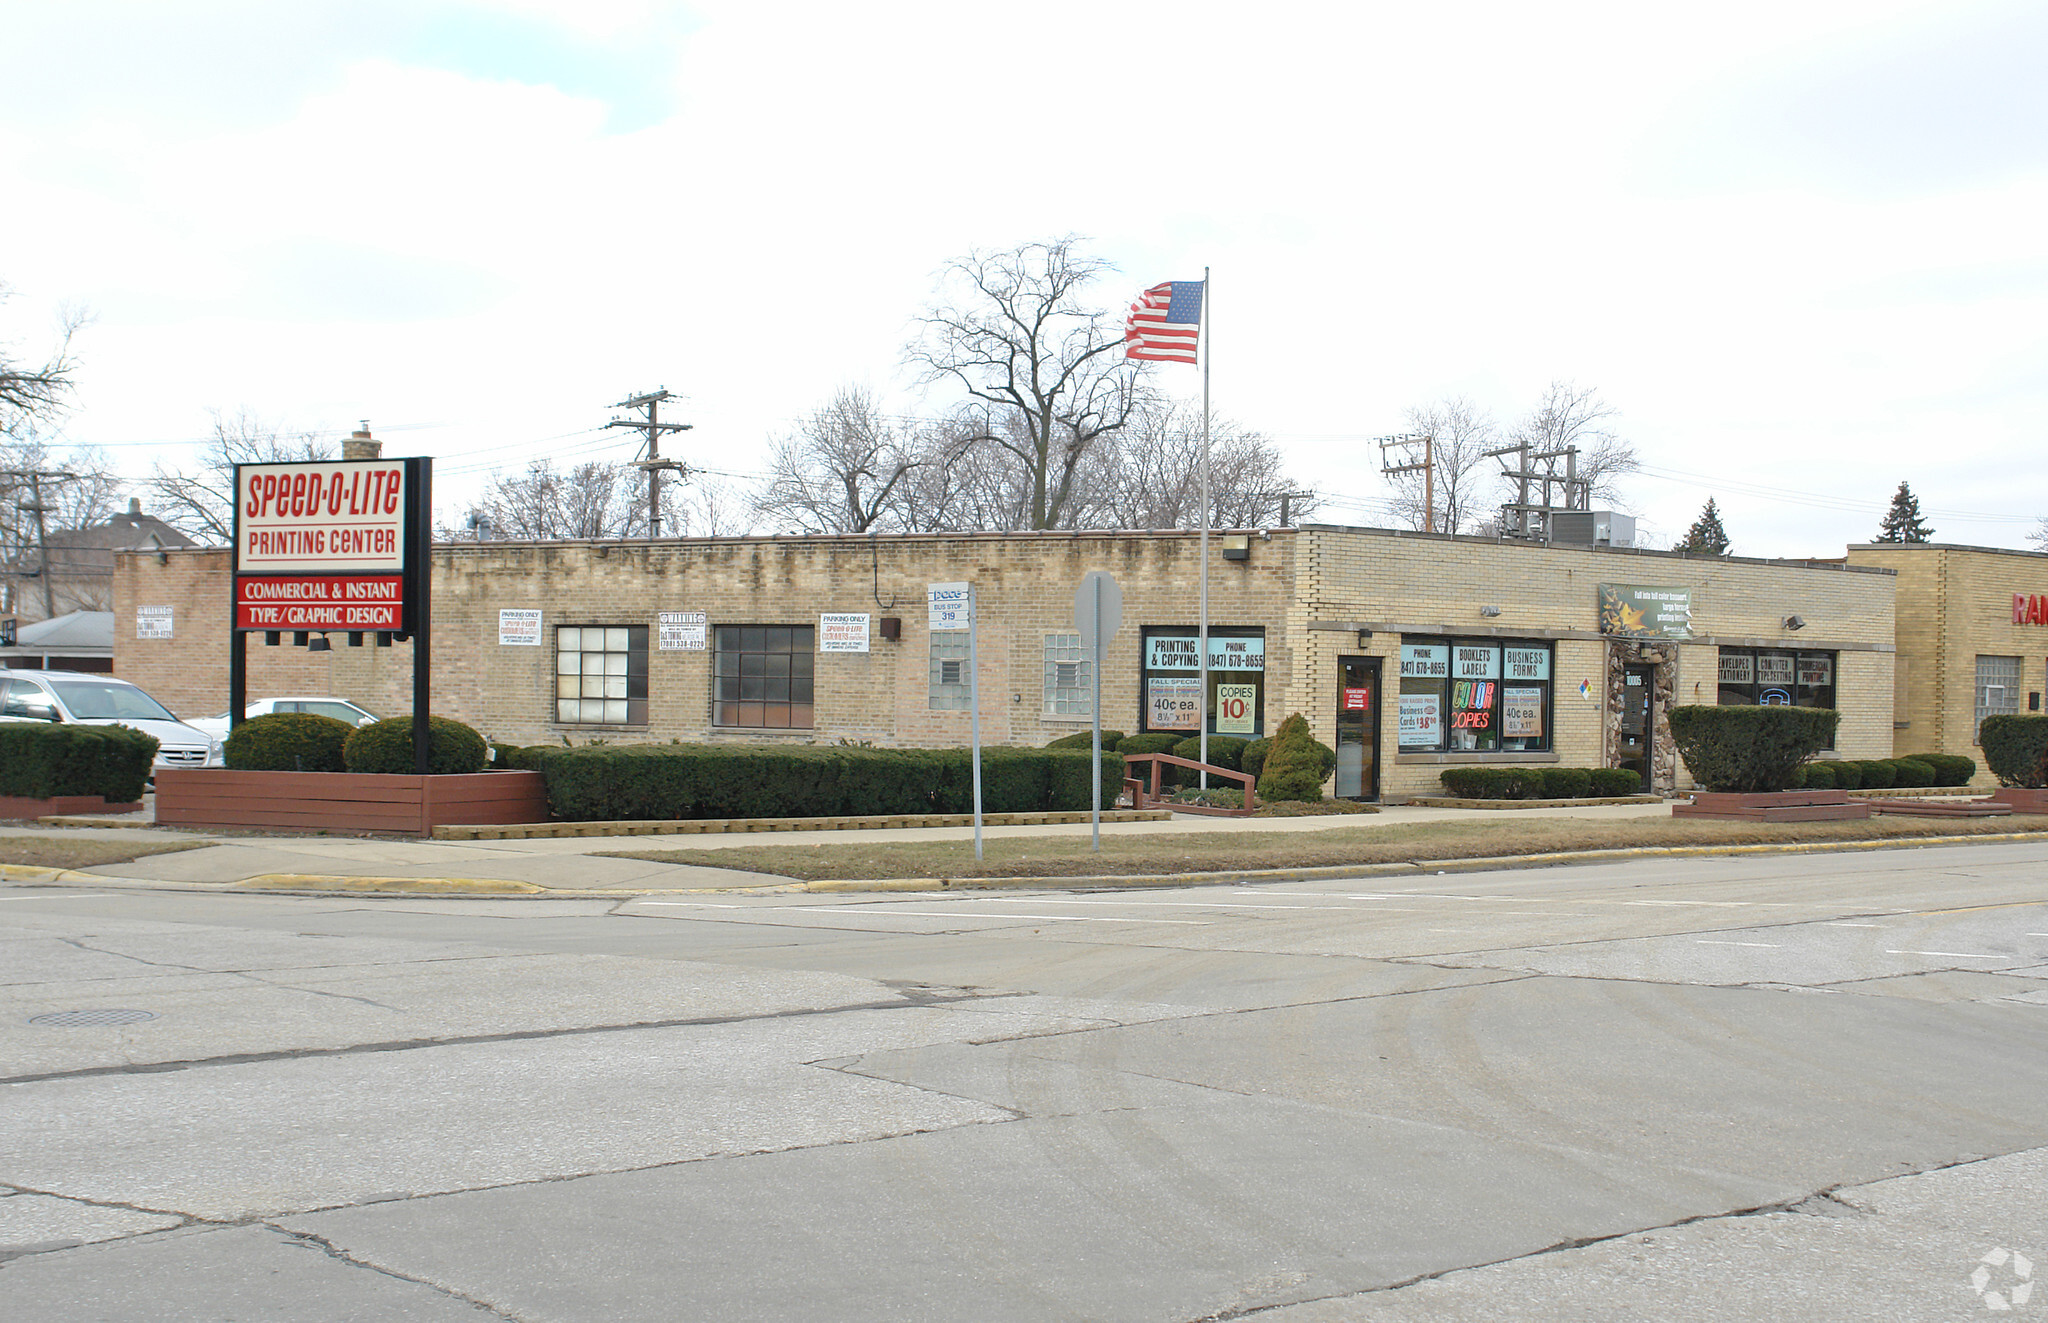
<point x="1794" y="622"/>
<point x="1364" y="637"/>
<point x="1489" y="611"/>
<point x="1237" y="546"/>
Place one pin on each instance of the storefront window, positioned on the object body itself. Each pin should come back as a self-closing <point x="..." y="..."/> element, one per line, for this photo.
<point x="762" y="676"/>
<point x="1776" y="677"/>
<point x="1475" y="695"/>
<point x="1172" y="697"/>
<point x="601" y="675"/>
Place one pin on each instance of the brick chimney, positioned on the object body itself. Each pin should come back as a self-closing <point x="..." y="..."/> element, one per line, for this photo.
<point x="361" y="445"/>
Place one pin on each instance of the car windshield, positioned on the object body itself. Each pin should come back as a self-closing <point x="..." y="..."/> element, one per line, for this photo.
<point x="95" y="700"/>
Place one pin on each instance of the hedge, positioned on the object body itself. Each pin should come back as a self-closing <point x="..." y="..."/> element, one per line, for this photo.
<point x="1950" y="769"/>
<point x="1085" y="739"/>
<point x="1815" y="776"/>
<point x="1513" y="782"/>
<point x="1878" y="774"/>
<point x="288" y="742"/>
<point x="2014" y="747"/>
<point x="1848" y="774"/>
<point x="1913" y="772"/>
<point x="386" y="747"/>
<point x="1252" y="759"/>
<point x="1224" y="751"/>
<point x="1614" y="782"/>
<point x="666" y="781"/>
<point x="40" y="760"/>
<point x="1748" y="749"/>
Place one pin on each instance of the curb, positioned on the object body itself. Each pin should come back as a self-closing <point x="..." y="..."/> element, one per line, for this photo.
<point x="530" y="831"/>
<point x="330" y="884"/>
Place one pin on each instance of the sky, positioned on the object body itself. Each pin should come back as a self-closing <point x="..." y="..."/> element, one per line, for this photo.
<point x="1802" y="250"/>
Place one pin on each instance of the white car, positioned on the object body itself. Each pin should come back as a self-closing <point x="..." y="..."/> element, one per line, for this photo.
<point x="101" y="700"/>
<point x="338" y="708"/>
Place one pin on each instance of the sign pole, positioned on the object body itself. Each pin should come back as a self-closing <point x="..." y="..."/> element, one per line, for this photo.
<point x="1095" y="743"/>
<point x="974" y="705"/>
<point x="419" y="496"/>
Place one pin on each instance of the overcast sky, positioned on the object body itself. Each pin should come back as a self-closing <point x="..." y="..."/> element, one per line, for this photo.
<point x="1801" y="248"/>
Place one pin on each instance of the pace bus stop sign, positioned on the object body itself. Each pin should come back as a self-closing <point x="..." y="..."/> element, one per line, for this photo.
<point x="1085" y="608"/>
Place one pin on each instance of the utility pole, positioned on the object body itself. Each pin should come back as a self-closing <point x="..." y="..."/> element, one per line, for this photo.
<point x="1427" y="468"/>
<point x="1287" y="500"/>
<point x="650" y="428"/>
<point x="36" y="506"/>
<point x="1519" y="518"/>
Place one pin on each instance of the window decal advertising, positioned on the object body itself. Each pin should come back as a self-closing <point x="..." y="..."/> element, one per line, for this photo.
<point x="1472" y="704"/>
<point x="1237" y="708"/>
<point x="1526" y="663"/>
<point x="1421" y="720"/>
<point x="1644" y="611"/>
<point x="1177" y="652"/>
<point x="1816" y="671"/>
<point x="1475" y="661"/>
<point x="1425" y="661"/>
<point x="1738" y="668"/>
<point x="1173" y="704"/>
<point x="1521" y="713"/>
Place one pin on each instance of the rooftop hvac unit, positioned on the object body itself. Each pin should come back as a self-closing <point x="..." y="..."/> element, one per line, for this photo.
<point x="1599" y="528"/>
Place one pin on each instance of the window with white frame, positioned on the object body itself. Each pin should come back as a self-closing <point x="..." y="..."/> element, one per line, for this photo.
<point x="1069" y="687"/>
<point x="949" y="671"/>
<point x="601" y="675"/>
<point x="1998" y="689"/>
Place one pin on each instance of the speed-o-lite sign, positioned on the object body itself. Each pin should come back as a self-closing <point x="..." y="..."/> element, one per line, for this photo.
<point x="326" y="545"/>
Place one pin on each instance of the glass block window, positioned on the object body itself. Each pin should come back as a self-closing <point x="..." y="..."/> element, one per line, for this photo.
<point x="1069" y="688"/>
<point x="1998" y="689"/>
<point x="949" y="671"/>
<point x="601" y="675"/>
<point x="762" y="676"/>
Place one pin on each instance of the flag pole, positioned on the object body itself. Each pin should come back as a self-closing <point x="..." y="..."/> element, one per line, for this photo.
<point x="1202" y="710"/>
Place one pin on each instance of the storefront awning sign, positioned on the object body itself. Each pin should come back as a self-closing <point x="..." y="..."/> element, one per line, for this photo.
<point x="1182" y="652"/>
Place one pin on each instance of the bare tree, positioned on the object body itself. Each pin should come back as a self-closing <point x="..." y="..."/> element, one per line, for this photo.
<point x="1148" y="475"/>
<point x="1014" y="331"/>
<point x="2039" y="537"/>
<point x="37" y="393"/>
<point x="597" y="499"/>
<point x="1572" y="417"/>
<point x="48" y="495"/>
<point x="1460" y="434"/>
<point x="199" y="500"/>
<point x="840" y="471"/>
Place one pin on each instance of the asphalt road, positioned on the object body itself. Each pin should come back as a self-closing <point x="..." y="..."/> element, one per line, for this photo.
<point x="1796" y="1086"/>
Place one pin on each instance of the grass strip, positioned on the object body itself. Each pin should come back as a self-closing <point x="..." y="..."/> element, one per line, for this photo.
<point x="1211" y="852"/>
<point x="82" y="852"/>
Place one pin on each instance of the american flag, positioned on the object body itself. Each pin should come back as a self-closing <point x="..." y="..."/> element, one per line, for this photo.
<point x="1165" y="323"/>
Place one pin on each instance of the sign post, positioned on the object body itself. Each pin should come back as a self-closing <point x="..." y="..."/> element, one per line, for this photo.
<point x="1098" y="613"/>
<point x="950" y="607"/>
<point x="340" y="545"/>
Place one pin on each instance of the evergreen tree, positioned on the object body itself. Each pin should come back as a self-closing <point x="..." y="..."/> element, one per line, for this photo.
<point x="1706" y="537"/>
<point x="1902" y="523"/>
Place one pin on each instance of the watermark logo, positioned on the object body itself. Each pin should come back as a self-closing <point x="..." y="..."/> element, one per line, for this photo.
<point x="2004" y="1278"/>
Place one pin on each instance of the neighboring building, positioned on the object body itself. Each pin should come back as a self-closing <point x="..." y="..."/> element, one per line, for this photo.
<point x="1406" y="651"/>
<point x="80" y="564"/>
<point x="77" y="641"/>
<point x="1972" y="635"/>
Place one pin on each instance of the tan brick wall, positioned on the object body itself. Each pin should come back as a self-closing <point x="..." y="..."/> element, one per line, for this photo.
<point x="1396" y="583"/>
<point x="1955" y="605"/>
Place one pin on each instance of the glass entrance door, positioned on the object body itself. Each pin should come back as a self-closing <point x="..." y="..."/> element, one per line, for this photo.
<point x="1634" y="754"/>
<point x="1358" y="728"/>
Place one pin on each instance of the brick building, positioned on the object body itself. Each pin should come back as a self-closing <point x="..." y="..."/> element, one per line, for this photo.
<point x="1972" y="636"/>
<point x="1405" y="651"/>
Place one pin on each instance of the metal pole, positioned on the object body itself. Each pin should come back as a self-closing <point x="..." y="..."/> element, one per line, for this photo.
<point x="1095" y="706"/>
<point x="1429" y="482"/>
<point x="654" y="471"/>
<point x="974" y="705"/>
<point x="422" y="504"/>
<point x="1202" y="708"/>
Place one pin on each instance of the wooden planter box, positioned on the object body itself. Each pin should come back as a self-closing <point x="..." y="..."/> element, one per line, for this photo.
<point x="14" y="807"/>
<point x="1774" y="806"/>
<point x="2022" y="799"/>
<point x="346" y="801"/>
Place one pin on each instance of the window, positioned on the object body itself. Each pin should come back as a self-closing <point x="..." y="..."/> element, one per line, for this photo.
<point x="601" y="675"/>
<point x="1776" y="677"/>
<point x="1069" y="688"/>
<point x="761" y="676"/>
<point x="1475" y="696"/>
<point x="949" y="671"/>
<point x="1998" y="690"/>
<point x="1172" y="699"/>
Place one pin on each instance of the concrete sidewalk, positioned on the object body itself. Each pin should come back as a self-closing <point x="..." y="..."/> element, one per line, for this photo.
<point x="570" y="864"/>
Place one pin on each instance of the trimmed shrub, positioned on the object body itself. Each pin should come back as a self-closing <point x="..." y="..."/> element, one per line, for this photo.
<point x="1162" y="742"/>
<point x="1085" y="740"/>
<point x="2014" y="747"/>
<point x="1878" y="774"/>
<point x="1493" y="782"/>
<point x="1950" y="769"/>
<point x="1567" y="782"/>
<point x="1817" y="776"/>
<point x="664" y="781"/>
<point x="1252" y="759"/>
<point x="288" y="742"/>
<point x="1614" y="782"/>
<point x="1747" y="749"/>
<point x="1224" y="751"/>
<point x="1848" y="775"/>
<point x="1913" y="772"/>
<point x="47" y="760"/>
<point x="1297" y="764"/>
<point x="523" y="757"/>
<point x="385" y="747"/>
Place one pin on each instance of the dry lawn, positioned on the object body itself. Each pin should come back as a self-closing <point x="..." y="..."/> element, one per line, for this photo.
<point x="82" y="851"/>
<point x="1223" y="852"/>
